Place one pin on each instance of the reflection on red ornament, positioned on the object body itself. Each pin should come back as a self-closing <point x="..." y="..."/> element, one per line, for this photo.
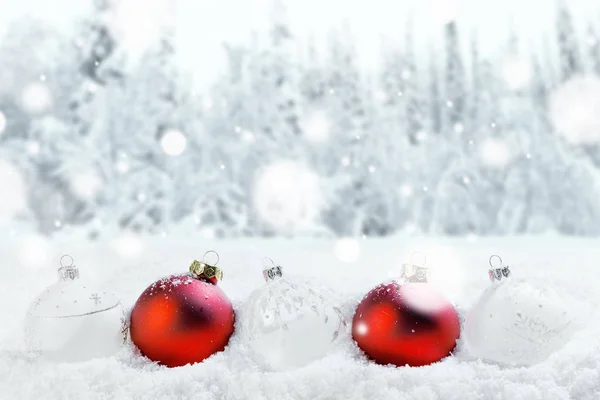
<point x="409" y="324"/>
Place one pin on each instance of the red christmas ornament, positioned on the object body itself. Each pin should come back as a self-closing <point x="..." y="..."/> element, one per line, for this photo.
<point x="183" y="319"/>
<point x="406" y="323"/>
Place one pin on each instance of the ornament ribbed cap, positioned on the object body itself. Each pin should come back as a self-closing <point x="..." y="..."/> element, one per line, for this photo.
<point x="201" y="269"/>
<point x="273" y="271"/>
<point x="496" y="273"/>
<point x="67" y="271"/>
<point x="415" y="272"/>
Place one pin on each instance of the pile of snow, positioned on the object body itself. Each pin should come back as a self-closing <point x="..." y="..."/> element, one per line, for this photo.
<point x="568" y="265"/>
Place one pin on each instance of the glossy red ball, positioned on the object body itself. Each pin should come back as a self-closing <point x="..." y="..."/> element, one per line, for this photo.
<point x="410" y="324"/>
<point x="181" y="320"/>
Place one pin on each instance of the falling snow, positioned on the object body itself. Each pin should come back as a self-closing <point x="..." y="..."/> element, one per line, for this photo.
<point x="516" y="72"/>
<point x="173" y="142"/>
<point x="316" y="127"/>
<point x="287" y="195"/>
<point x="574" y="109"/>
<point x="494" y="153"/>
<point x="36" y="98"/>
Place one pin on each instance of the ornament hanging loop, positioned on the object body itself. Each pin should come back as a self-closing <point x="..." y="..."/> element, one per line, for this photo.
<point x="66" y="261"/>
<point x="493" y="257"/>
<point x="271" y="273"/>
<point x="499" y="272"/>
<point x="211" y="252"/>
<point x="68" y="270"/>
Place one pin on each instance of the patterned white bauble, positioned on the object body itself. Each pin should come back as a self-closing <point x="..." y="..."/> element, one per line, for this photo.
<point x="288" y="324"/>
<point x="515" y="322"/>
<point x="72" y="321"/>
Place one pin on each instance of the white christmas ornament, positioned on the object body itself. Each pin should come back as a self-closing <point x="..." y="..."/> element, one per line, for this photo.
<point x="289" y="324"/>
<point x="71" y="321"/>
<point x="515" y="322"/>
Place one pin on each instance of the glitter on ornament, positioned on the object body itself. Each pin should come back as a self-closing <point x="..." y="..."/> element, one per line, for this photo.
<point x="347" y="250"/>
<point x="173" y="142"/>
<point x="574" y="110"/>
<point x="36" y="98"/>
<point x="14" y="191"/>
<point x="287" y="195"/>
<point x="494" y="153"/>
<point x="316" y="127"/>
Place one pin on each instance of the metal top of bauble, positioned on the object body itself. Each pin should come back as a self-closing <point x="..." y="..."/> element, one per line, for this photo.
<point x="201" y="269"/>
<point x="71" y="296"/>
<point x="271" y="272"/>
<point x="415" y="272"/>
<point x="497" y="273"/>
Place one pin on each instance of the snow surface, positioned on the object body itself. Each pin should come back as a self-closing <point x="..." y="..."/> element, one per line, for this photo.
<point x="567" y="264"/>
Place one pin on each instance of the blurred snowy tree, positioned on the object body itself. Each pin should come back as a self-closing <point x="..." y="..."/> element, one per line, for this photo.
<point x="455" y="81"/>
<point x="568" y="43"/>
<point x="291" y="138"/>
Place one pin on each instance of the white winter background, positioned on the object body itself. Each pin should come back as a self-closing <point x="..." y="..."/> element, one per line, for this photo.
<point x="335" y="137"/>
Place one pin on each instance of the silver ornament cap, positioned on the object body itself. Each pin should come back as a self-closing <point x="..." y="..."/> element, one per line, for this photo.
<point x="272" y="272"/>
<point x="414" y="271"/>
<point x="498" y="272"/>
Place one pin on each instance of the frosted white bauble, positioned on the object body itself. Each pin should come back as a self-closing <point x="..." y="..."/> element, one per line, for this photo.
<point x="72" y="321"/>
<point x="515" y="322"/>
<point x="289" y="324"/>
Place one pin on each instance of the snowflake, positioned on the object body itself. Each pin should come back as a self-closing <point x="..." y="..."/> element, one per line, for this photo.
<point x="316" y="127"/>
<point x="36" y="98"/>
<point x="173" y="142"/>
<point x="494" y="153"/>
<point x="574" y="109"/>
